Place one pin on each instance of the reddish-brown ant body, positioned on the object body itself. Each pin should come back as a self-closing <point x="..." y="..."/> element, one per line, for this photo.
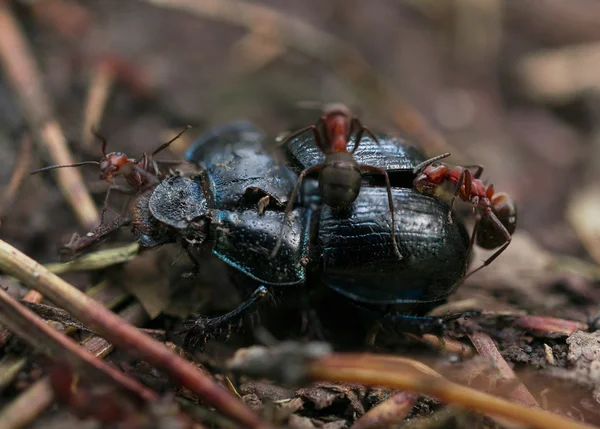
<point x="496" y="212"/>
<point x="139" y="174"/>
<point x="340" y="176"/>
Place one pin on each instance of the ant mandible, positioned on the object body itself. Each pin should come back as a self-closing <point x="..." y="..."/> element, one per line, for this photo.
<point x="138" y="173"/>
<point x="496" y="212"/>
<point x="340" y="176"/>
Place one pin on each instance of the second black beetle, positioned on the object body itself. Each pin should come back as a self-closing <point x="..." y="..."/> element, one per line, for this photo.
<point x="237" y="204"/>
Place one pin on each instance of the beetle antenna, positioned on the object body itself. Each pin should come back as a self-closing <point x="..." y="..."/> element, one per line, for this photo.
<point x="76" y="164"/>
<point x="430" y="161"/>
<point x="164" y="145"/>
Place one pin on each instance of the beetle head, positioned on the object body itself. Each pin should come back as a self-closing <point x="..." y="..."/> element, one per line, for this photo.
<point x="179" y="202"/>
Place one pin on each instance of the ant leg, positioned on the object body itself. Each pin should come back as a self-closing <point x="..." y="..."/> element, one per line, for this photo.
<point x="506" y="234"/>
<point x="361" y="131"/>
<point x="390" y="202"/>
<point x="465" y="179"/>
<point x="314" y="129"/>
<point x="118" y="188"/>
<point x="165" y="145"/>
<point x="206" y="328"/>
<point x="471" y="244"/>
<point x="151" y="178"/>
<point x="478" y="170"/>
<point x="290" y="205"/>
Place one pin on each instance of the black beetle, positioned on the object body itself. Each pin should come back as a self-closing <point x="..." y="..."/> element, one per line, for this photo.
<point x="237" y="203"/>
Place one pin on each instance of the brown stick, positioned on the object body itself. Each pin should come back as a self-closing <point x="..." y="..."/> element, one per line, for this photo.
<point x="101" y="84"/>
<point x="34" y="330"/>
<point x="122" y="334"/>
<point x="38" y="397"/>
<point x="24" y="76"/>
<point x="485" y="347"/>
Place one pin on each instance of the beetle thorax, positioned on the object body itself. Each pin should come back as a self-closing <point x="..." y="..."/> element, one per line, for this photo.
<point x="339" y="180"/>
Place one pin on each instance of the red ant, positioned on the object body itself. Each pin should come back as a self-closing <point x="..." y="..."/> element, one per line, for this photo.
<point x="340" y="176"/>
<point x="139" y="173"/>
<point x="496" y="217"/>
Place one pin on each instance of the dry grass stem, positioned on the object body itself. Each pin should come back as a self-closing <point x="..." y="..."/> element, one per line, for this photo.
<point x="101" y="83"/>
<point x="38" y="397"/>
<point x="122" y="334"/>
<point x="351" y="368"/>
<point x="35" y="331"/>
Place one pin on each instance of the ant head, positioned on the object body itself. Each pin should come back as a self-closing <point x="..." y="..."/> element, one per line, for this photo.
<point x="435" y="171"/>
<point x="430" y="177"/>
<point x="111" y="164"/>
<point x="326" y="108"/>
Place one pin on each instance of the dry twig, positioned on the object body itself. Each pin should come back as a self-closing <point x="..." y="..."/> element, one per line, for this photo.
<point x="485" y="347"/>
<point x="38" y="397"/>
<point x="122" y="334"/>
<point x="35" y="331"/>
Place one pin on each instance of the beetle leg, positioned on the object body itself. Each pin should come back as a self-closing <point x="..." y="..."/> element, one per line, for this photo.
<point x="465" y="179"/>
<point x="390" y="202"/>
<point x="418" y="325"/>
<point x="206" y="328"/>
<point x="500" y="227"/>
<point x="196" y="269"/>
<point x="290" y="205"/>
<point x="95" y="236"/>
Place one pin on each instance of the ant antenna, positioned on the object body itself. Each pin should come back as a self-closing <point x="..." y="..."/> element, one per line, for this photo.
<point x="164" y="145"/>
<point x="76" y="164"/>
<point x="101" y="138"/>
<point x="430" y="161"/>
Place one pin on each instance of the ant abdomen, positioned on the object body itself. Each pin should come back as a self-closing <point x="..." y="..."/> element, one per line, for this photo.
<point x="339" y="180"/>
<point x="505" y="210"/>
